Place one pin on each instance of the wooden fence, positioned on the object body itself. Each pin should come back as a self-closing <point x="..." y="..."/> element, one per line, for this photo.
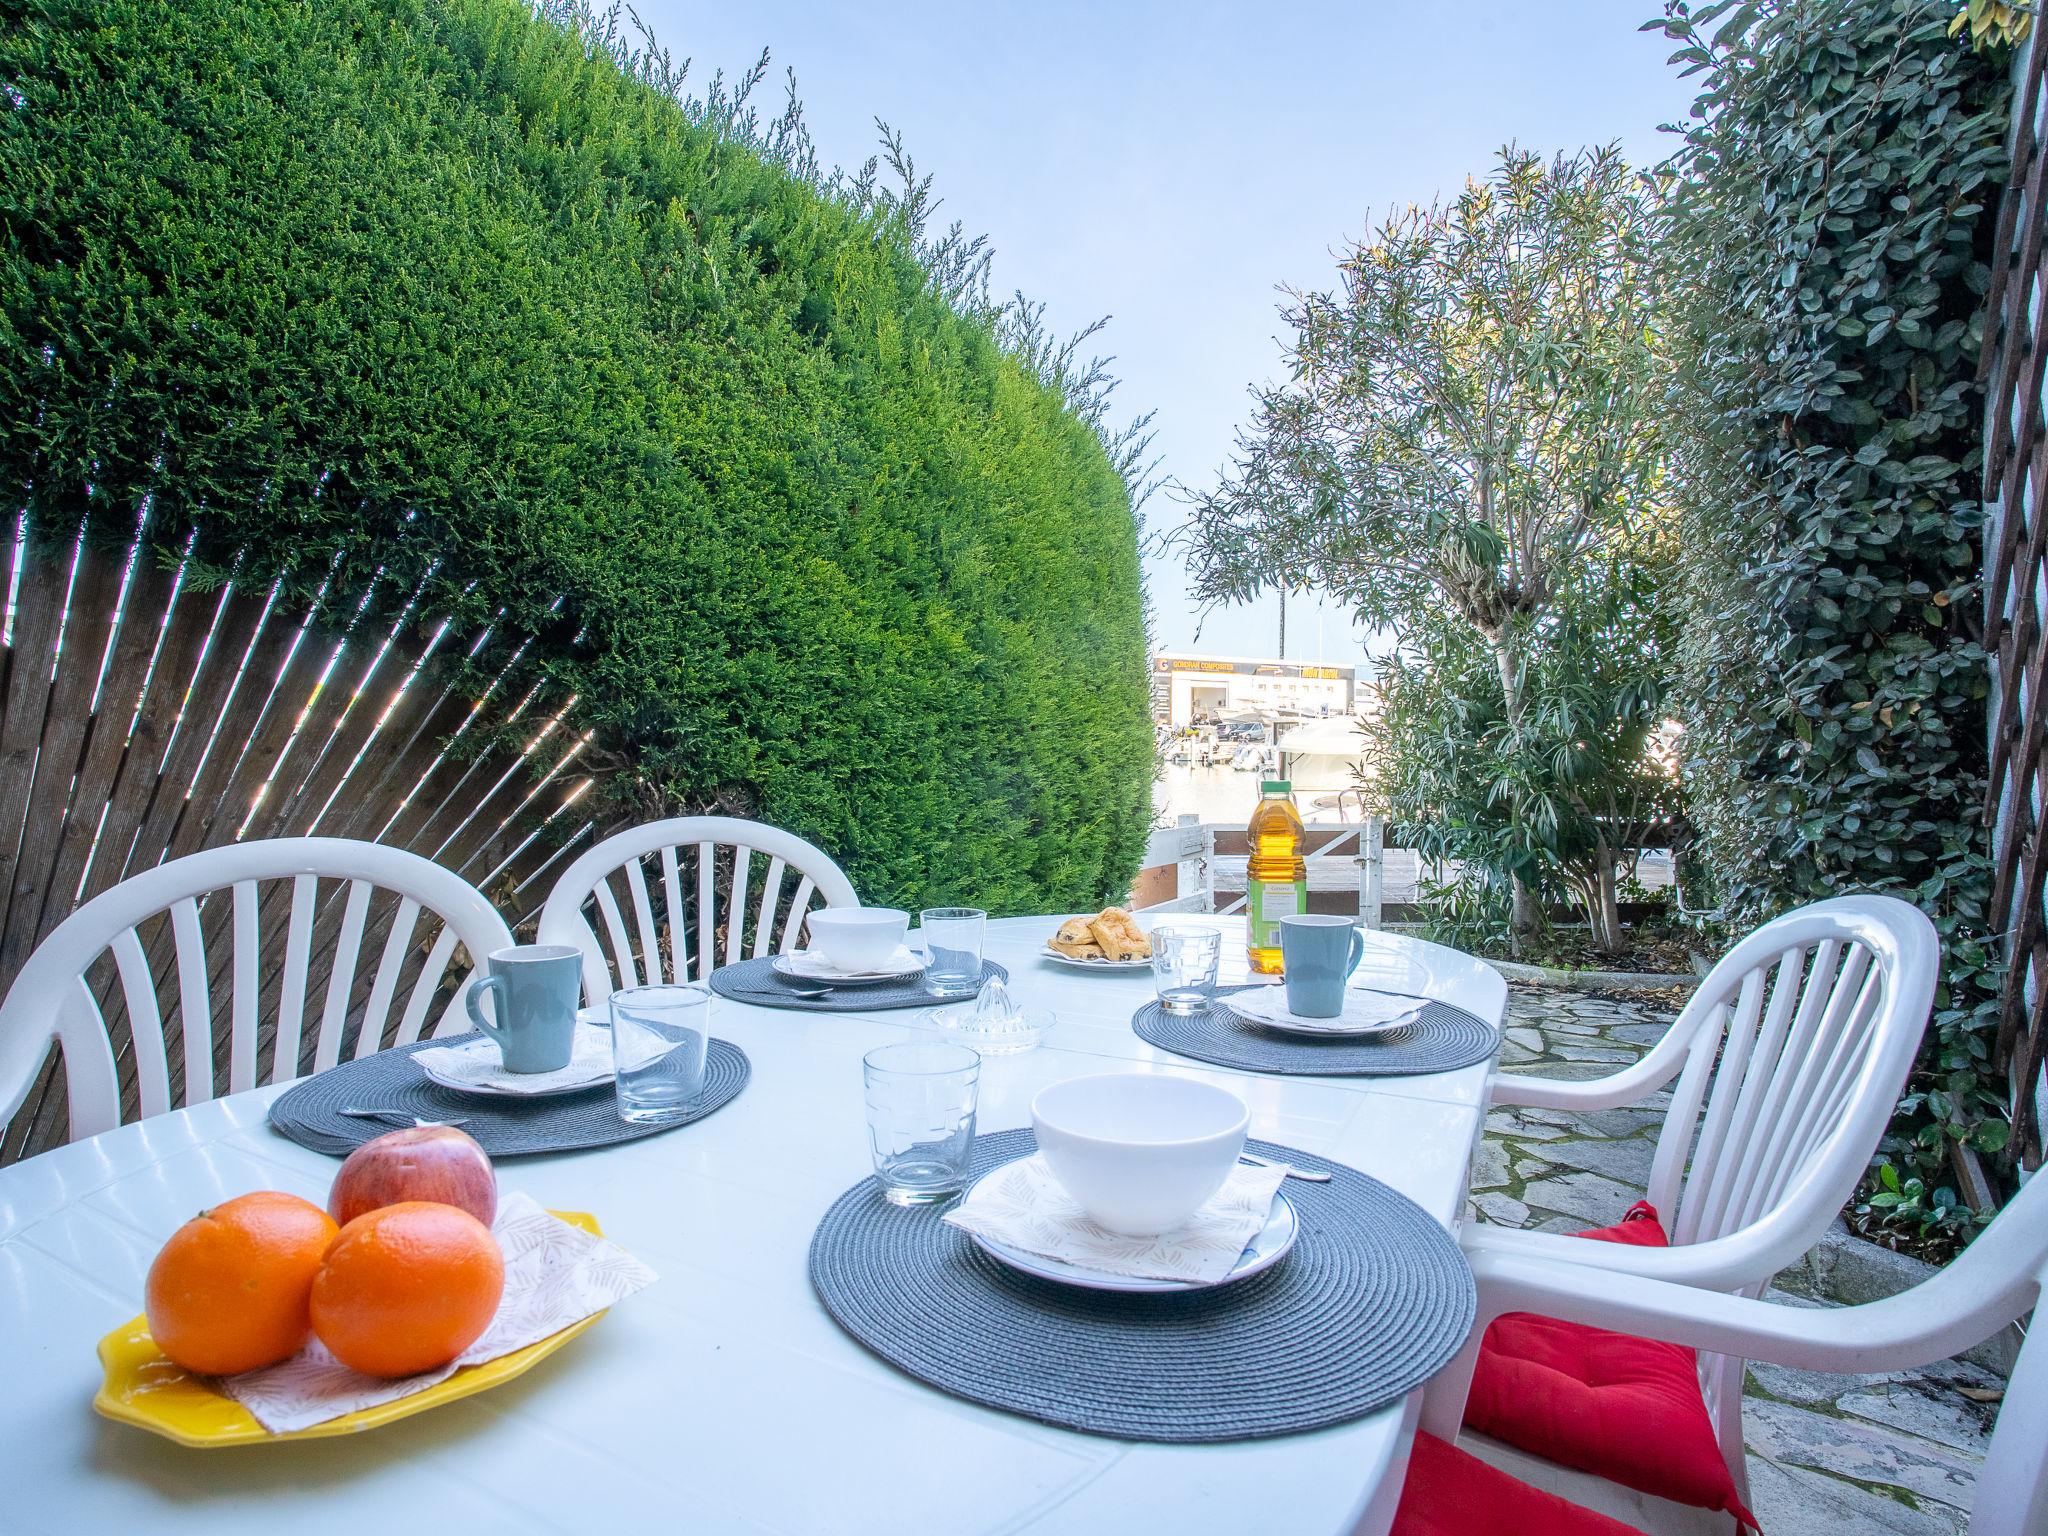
<point x="2016" y="596"/>
<point x="142" y="718"/>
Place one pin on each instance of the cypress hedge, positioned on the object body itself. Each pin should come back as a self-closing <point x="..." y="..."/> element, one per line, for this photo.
<point x="436" y="288"/>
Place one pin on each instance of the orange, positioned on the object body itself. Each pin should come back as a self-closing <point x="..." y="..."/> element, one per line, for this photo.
<point x="231" y="1290"/>
<point x="407" y="1288"/>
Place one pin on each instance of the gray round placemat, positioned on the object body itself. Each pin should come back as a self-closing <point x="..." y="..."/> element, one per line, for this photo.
<point x="1443" y="1039"/>
<point x="1373" y="1301"/>
<point x="503" y="1127"/>
<point x="758" y="982"/>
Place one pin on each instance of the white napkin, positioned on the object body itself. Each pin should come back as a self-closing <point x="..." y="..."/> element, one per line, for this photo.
<point x="555" y="1275"/>
<point x="1363" y="1011"/>
<point x="479" y="1064"/>
<point x="812" y="963"/>
<point x="1024" y="1206"/>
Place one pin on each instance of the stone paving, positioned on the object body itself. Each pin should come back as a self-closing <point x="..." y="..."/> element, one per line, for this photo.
<point x="1887" y="1455"/>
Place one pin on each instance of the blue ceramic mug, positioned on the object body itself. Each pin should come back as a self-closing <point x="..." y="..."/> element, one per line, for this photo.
<point x="537" y="987"/>
<point x="1318" y="953"/>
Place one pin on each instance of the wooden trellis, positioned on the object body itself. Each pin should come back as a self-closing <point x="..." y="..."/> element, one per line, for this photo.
<point x="2016" y="596"/>
<point x="142" y="719"/>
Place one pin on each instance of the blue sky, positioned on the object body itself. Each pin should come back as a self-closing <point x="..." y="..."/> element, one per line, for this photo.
<point x="1170" y="165"/>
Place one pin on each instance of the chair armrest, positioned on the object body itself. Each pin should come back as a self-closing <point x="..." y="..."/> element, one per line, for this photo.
<point x="1659" y="1065"/>
<point x="1722" y="1265"/>
<point x="1738" y="1261"/>
<point x="1932" y="1321"/>
<point x="1627" y="1086"/>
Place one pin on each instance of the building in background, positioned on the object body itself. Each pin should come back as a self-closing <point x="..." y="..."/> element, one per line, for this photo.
<point x="1206" y="690"/>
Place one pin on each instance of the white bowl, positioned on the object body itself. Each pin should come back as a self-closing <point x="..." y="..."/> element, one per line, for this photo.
<point x="859" y="938"/>
<point x="1139" y="1151"/>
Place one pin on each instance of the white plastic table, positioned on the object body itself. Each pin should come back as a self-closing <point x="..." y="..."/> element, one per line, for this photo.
<point x="723" y="1399"/>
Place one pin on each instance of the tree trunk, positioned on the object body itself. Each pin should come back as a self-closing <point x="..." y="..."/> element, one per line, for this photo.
<point x="1603" y="907"/>
<point x="1506" y="662"/>
<point x="1524" y="917"/>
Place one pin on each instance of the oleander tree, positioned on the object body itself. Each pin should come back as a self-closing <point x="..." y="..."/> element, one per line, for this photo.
<point x="1560" y="802"/>
<point x="1466" y="434"/>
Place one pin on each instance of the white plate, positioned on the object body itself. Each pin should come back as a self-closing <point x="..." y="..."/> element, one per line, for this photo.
<point x="1357" y="1000"/>
<point x="583" y="1016"/>
<point x="811" y="965"/>
<point x="1096" y="962"/>
<point x="1269" y="1245"/>
<point x="1328" y="1032"/>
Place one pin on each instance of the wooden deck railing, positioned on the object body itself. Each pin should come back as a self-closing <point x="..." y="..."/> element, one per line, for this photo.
<point x="1183" y="862"/>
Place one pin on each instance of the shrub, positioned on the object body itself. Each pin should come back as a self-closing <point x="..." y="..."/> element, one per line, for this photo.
<point x="1465" y="448"/>
<point x="437" y="288"/>
<point x="1829" y="223"/>
<point x="1559" y="803"/>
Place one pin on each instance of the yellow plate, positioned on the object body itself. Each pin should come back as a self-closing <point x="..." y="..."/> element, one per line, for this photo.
<point x="143" y="1388"/>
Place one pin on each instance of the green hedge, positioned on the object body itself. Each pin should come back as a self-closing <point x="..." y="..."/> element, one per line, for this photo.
<point x="311" y="278"/>
<point x="1831" y="218"/>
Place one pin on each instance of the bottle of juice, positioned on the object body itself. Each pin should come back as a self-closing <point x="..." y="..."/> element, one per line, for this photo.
<point x="1276" y="877"/>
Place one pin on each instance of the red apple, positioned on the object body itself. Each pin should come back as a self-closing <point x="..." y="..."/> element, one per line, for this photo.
<point x="427" y="1162"/>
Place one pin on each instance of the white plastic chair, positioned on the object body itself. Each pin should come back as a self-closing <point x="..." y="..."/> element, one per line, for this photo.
<point x="1789" y="1059"/>
<point x="631" y="957"/>
<point x="53" y="999"/>
<point x="1999" y="1278"/>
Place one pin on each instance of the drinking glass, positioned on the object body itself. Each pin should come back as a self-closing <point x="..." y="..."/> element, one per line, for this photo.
<point x="659" y="1039"/>
<point x="953" y="938"/>
<point x="921" y="1118"/>
<point x="1184" y="963"/>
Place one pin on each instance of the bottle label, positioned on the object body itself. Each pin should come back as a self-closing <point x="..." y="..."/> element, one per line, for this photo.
<point x="1270" y="900"/>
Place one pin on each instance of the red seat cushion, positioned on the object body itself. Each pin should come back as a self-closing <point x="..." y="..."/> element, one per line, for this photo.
<point x="1450" y="1493"/>
<point x="1623" y="1408"/>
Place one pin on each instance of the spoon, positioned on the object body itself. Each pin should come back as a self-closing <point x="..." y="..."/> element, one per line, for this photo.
<point x="396" y="1114"/>
<point x="809" y="989"/>
<point x="1293" y="1172"/>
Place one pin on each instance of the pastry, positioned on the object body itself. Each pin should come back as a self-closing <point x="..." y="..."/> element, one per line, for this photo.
<point x="1120" y="937"/>
<point x="1076" y="940"/>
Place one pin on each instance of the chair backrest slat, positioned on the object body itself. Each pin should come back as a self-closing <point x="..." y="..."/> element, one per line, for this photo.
<point x="195" y="1001"/>
<point x="615" y="929"/>
<point x="212" y="937"/>
<point x="390" y="965"/>
<point x="146" y="1024"/>
<point x="728" y="924"/>
<point x="291" y="984"/>
<point x="244" y="1009"/>
<point x="799" y="904"/>
<point x="93" y="1086"/>
<point x="707" y="909"/>
<point x="341" y="976"/>
<point x="672" y="892"/>
<point x="736" y="907"/>
<point x="764" y="921"/>
<point x="643" y="918"/>
<point x="424" y="986"/>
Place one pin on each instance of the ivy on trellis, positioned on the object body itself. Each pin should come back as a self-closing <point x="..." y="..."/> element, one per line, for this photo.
<point x="1830" y="216"/>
